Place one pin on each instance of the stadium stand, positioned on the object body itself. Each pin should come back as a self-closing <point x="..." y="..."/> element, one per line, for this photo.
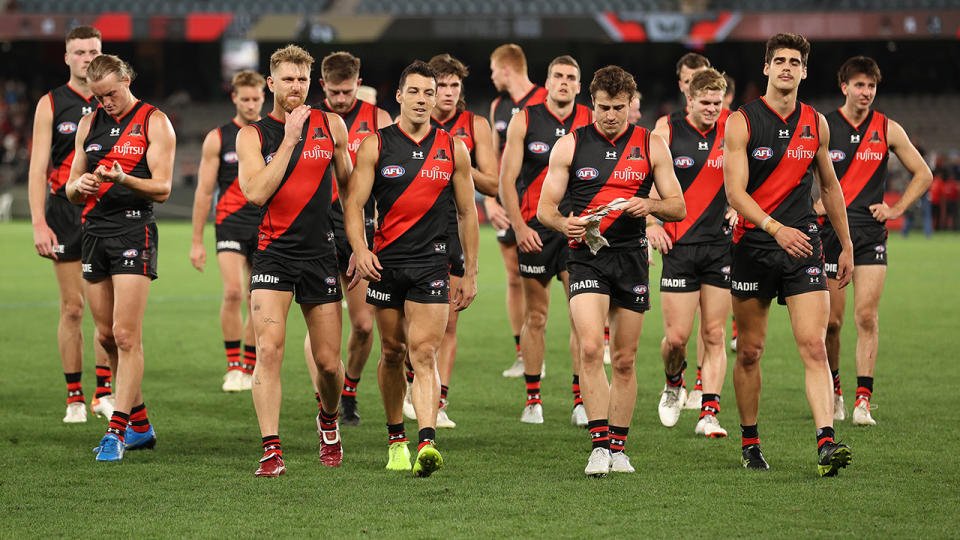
<point x="171" y="7"/>
<point x="513" y="7"/>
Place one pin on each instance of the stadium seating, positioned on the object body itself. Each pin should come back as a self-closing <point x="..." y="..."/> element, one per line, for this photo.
<point x="174" y="7"/>
<point x="512" y="7"/>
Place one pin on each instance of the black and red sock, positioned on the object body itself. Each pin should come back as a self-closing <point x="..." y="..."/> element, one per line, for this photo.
<point x="677" y="379"/>
<point x="836" y="382"/>
<point x="606" y="335"/>
<point x="138" y="419"/>
<point x="709" y="404"/>
<point x="104" y="382"/>
<point x="396" y="433"/>
<point x="599" y="433"/>
<point x="328" y="422"/>
<point x="864" y="389"/>
<point x="699" y="384"/>
<point x="533" y="389"/>
<point x="426" y="436"/>
<point x="444" y="390"/>
<point x="350" y="386"/>
<point x="409" y="371"/>
<point x="271" y="445"/>
<point x="577" y="398"/>
<point x="74" y="387"/>
<point x="824" y="435"/>
<point x="516" y="342"/>
<point x="233" y="355"/>
<point x="317" y="396"/>
<point x="118" y="424"/>
<point x="618" y="438"/>
<point x="249" y="359"/>
<point x="749" y="435"/>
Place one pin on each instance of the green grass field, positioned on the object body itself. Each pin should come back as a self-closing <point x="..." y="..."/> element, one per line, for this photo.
<point x="501" y="478"/>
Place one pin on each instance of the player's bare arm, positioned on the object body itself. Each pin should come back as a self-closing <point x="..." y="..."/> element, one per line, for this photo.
<point x="527" y="239"/>
<point x="342" y="164"/>
<point x="44" y="239"/>
<point x="485" y="176"/>
<point x="670" y="205"/>
<point x="203" y="195"/>
<point x="463" y="188"/>
<point x="160" y="157"/>
<point x="494" y="136"/>
<point x="364" y="264"/>
<point x="735" y="176"/>
<point x="383" y="118"/>
<point x="900" y="144"/>
<point x="832" y="196"/>
<point x="81" y="184"/>
<point x="259" y="180"/>
<point x="555" y="186"/>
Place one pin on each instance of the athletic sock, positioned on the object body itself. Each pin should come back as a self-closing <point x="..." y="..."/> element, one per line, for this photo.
<point x="317" y="396"/>
<point x="606" y="336"/>
<point x="396" y="433"/>
<point x="233" y="354"/>
<point x="676" y="380"/>
<point x="249" y="358"/>
<point x="138" y="419"/>
<point x="577" y="398"/>
<point x="836" y="382"/>
<point x="271" y="445"/>
<point x="864" y="388"/>
<point x="349" y="386"/>
<point x="734" y="324"/>
<point x="824" y="435"/>
<point x="699" y="384"/>
<point x="749" y="435"/>
<point x="709" y="404"/>
<point x="328" y="422"/>
<point x="104" y="382"/>
<point x="444" y="390"/>
<point x="516" y="342"/>
<point x="118" y="424"/>
<point x="426" y="436"/>
<point x="409" y="371"/>
<point x="599" y="433"/>
<point x="533" y="389"/>
<point x="74" y="388"/>
<point x="618" y="438"/>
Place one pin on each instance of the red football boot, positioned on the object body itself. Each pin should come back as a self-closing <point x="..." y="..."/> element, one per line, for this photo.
<point x="331" y="451"/>
<point x="271" y="466"/>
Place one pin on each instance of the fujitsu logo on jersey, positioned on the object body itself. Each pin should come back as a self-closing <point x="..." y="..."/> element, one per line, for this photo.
<point x="435" y="174"/>
<point x="392" y="171"/>
<point x="869" y="155"/>
<point x="629" y="175"/>
<point x="127" y="148"/>
<point x="715" y="163"/>
<point x="683" y="162"/>
<point x="317" y="153"/>
<point x="837" y="155"/>
<point x="354" y="145"/>
<point x="800" y="153"/>
<point x="587" y="173"/>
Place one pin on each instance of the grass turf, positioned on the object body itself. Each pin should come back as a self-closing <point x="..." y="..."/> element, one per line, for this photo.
<point x="501" y="477"/>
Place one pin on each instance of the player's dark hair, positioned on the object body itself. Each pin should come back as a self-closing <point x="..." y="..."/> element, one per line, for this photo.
<point x="83" y="32"/>
<point x="105" y="64"/>
<point x="692" y="60"/>
<point x="731" y="85"/>
<point x="565" y="60"/>
<point x="444" y="65"/>
<point x="614" y="80"/>
<point x="786" y="40"/>
<point x="339" y="66"/>
<point x="418" y="67"/>
<point x="856" y="66"/>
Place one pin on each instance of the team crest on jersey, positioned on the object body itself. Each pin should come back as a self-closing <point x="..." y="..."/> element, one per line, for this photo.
<point x="269" y="157"/>
<point x="136" y="130"/>
<point x="114" y="132"/>
<point x="640" y="289"/>
<point x="763" y="153"/>
<point x="875" y="136"/>
<point x="538" y="147"/>
<point x="635" y="154"/>
<point x="94" y="147"/>
<point x="837" y="155"/>
<point x="587" y="173"/>
<point x="703" y="145"/>
<point x="683" y="162"/>
<point x="330" y="280"/>
<point x="441" y="155"/>
<point x="364" y="127"/>
<point x="230" y="157"/>
<point x="805" y="132"/>
<point x="392" y="171"/>
<point x="66" y="128"/>
<point x="130" y="253"/>
<point x="855" y="138"/>
<point x="784" y="133"/>
<point x="318" y="134"/>
<point x="814" y="271"/>
<point x="461" y="132"/>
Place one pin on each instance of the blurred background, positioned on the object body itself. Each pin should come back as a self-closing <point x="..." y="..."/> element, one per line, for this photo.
<point x="185" y="52"/>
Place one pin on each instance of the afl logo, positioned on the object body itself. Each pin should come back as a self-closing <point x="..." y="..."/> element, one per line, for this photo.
<point x="66" y="128"/>
<point x="837" y="155"/>
<point x="587" y="173"/>
<point x="330" y="280"/>
<point x="538" y="147"/>
<point x="763" y="153"/>
<point x="500" y="125"/>
<point x="436" y="284"/>
<point x="814" y="271"/>
<point x="640" y="289"/>
<point x="683" y="162"/>
<point x="130" y="253"/>
<point x="268" y="158"/>
<point x="230" y="157"/>
<point x="392" y="171"/>
<point x="880" y="249"/>
<point x="93" y="147"/>
<point x="725" y="270"/>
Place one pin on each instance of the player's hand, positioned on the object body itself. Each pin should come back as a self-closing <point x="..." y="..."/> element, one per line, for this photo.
<point x="573" y="227"/>
<point x="464" y="294"/>
<point x="113" y="174"/>
<point x="528" y="240"/>
<point x="293" y="125"/>
<point x="730" y="216"/>
<point x="496" y="214"/>
<point x="881" y="212"/>
<point x="198" y="256"/>
<point x="45" y="241"/>
<point x="88" y="184"/>
<point x="794" y="242"/>
<point x="659" y="238"/>
<point x="845" y="267"/>
<point x="637" y="207"/>
<point x="365" y="266"/>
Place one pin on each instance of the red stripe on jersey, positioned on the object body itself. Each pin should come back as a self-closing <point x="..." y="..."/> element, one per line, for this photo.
<point x="789" y="172"/>
<point x="420" y="195"/>
<point x="861" y="170"/>
<point x="703" y="190"/>
<point x="60" y="175"/>
<point x="531" y="197"/>
<point x="230" y="201"/>
<point x="364" y="124"/>
<point x="624" y="181"/>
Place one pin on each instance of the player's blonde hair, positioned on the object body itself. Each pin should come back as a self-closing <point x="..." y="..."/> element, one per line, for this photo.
<point x="707" y="80"/>
<point x="105" y="64"/>
<point x="292" y="54"/>
<point x="339" y="66"/>
<point x="248" y="77"/>
<point x="512" y="55"/>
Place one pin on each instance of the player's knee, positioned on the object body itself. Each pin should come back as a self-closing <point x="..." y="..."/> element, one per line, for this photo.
<point x="393" y="352"/>
<point x="535" y="319"/>
<point x="104" y="337"/>
<point x="424" y="355"/>
<point x="233" y="297"/>
<point x="867" y="321"/>
<point x="126" y="338"/>
<point x="812" y="348"/>
<point x="362" y="329"/>
<point x="675" y="342"/>
<point x="622" y="361"/>
<point x="834" y="324"/>
<point x="71" y="312"/>
<point x="713" y="335"/>
<point x="748" y="355"/>
<point x="269" y="351"/>
<point x="591" y="350"/>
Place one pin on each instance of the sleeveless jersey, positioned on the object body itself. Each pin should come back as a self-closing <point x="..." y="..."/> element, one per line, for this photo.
<point x="295" y="221"/>
<point x="232" y="206"/>
<point x="459" y="126"/>
<point x="859" y="155"/>
<point x="698" y="164"/>
<point x="361" y="121"/>
<point x="115" y="209"/>
<point x="780" y="153"/>
<point x="504" y="107"/>
<point x="603" y="170"/>
<point x="543" y="131"/>
<point x="412" y="187"/>
<point x="68" y="108"/>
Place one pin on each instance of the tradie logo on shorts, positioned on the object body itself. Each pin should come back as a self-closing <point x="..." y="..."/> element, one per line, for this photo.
<point x="264" y="278"/>
<point x="377" y="295"/>
<point x="703" y="145"/>
<point x="59" y="248"/>
<point x="673" y="282"/>
<point x="584" y="284"/>
<point x="830" y="267"/>
<point x="533" y="269"/>
<point x="745" y="286"/>
<point x="86" y="267"/>
<point x="228" y="244"/>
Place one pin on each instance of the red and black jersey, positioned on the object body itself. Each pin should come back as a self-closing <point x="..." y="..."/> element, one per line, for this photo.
<point x="603" y="170"/>
<point x="543" y="131"/>
<point x="780" y="153"/>
<point x="295" y="221"/>
<point x="460" y="126"/>
<point x="414" y="194"/>
<point x="232" y="206"/>
<point x="361" y="121"/>
<point x="698" y="163"/>
<point x="68" y="108"/>
<point x="859" y="154"/>
<point x="115" y="209"/>
<point x="504" y="107"/>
